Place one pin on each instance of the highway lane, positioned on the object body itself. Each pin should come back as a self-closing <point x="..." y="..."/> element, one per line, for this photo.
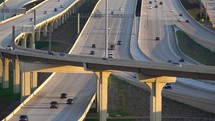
<point x="158" y="22"/>
<point x="74" y="85"/>
<point x="95" y="31"/>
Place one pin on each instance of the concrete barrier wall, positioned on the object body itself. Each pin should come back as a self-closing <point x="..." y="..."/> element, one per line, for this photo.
<point x="29" y="98"/>
<point x="87" y="109"/>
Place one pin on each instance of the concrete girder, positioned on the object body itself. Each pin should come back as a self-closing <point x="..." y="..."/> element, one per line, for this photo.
<point x="156" y="85"/>
<point x="42" y="67"/>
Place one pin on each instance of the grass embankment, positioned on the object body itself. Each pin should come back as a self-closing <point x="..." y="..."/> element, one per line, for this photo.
<point x="130" y="102"/>
<point x="195" y="50"/>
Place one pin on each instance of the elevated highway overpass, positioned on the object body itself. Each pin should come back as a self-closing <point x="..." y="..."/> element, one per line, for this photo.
<point x="89" y="66"/>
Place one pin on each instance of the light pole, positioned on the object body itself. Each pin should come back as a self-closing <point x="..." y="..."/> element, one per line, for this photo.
<point x="106" y="30"/>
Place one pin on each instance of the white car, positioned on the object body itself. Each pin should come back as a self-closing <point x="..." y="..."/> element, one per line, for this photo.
<point x="150" y="7"/>
<point x="9" y="47"/>
<point x="120" y="8"/>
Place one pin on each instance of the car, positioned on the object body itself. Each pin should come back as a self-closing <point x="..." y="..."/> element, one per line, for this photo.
<point x="62" y="54"/>
<point x="119" y="42"/>
<point x="61" y="6"/>
<point x="187" y="21"/>
<point x="150" y="7"/>
<point x="54" y="104"/>
<point x="167" y="86"/>
<point x="177" y="64"/>
<point x="92" y="52"/>
<point x="23" y="118"/>
<point x="171" y="10"/>
<point x="112" y="47"/>
<point x="157" y="38"/>
<point x="93" y="45"/>
<point x="120" y="8"/>
<point x="110" y="56"/>
<point x="111" y="12"/>
<point x="70" y="101"/>
<point x="161" y="3"/>
<point x="156" y="6"/>
<point x="180" y="14"/>
<point x="9" y="47"/>
<point x="63" y="95"/>
<point x="179" y="20"/>
<point x="51" y="53"/>
<point x="181" y="60"/>
<point x="169" y="61"/>
<point x="55" y="10"/>
<point x="150" y="2"/>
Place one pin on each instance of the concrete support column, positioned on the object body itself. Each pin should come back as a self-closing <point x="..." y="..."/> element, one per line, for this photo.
<point x="25" y="85"/>
<point x="55" y="24"/>
<point x="45" y="31"/>
<point x="34" y="81"/>
<point x="62" y="19"/>
<point x="24" y="41"/>
<point x="156" y="85"/>
<point x="59" y="22"/>
<point x="32" y="40"/>
<point x="37" y="37"/>
<point x="102" y="94"/>
<point x="6" y="73"/>
<point x="1" y="70"/>
<point x="16" y="76"/>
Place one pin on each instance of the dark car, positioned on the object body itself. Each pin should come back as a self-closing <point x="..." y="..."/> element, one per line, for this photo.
<point x="92" y="52"/>
<point x="112" y="47"/>
<point x="156" y="6"/>
<point x="181" y="60"/>
<point x="54" y="104"/>
<point x="180" y="14"/>
<point x="161" y="3"/>
<point x="51" y="53"/>
<point x="150" y="2"/>
<point x="168" y="86"/>
<point x="70" y="101"/>
<point x="119" y="42"/>
<point x="157" y="38"/>
<point x="55" y="10"/>
<point x="63" y="95"/>
<point x="187" y="21"/>
<point x="93" y="45"/>
<point x="23" y="118"/>
<point x="9" y="47"/>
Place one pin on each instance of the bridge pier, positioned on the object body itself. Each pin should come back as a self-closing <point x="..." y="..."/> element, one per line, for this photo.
<point x="16" y="76"/>
<point x="34" y="80"/>
<point x="156" y="85"/>
<point x="25" y="85"/>
<point x="5" y="73"/>
<point x="37" y="35"/>
<point x="24" y="41"/>
<point x="1" y="70"/>
<point x="102" y="94"/>
<point x="32" y="40"/>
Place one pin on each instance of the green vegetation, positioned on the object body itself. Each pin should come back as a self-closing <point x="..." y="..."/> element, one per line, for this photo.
<point x="45" y="44"/>
<point x="195" y="50"/>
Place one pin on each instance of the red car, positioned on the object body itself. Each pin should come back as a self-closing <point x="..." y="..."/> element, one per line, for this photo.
<point x="157" y="38"/>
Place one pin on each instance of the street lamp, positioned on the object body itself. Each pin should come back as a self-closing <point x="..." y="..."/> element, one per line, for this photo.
<point x="106" y="30"/>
